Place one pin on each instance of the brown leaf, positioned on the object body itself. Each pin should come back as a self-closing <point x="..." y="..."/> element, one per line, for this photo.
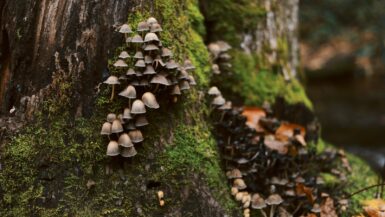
<point x="273" y="144"/>
<point x="253" y="115"/>
<point x="286" y="131"/>
<point x="328" y="209"/>
<point x="301" y="190"/>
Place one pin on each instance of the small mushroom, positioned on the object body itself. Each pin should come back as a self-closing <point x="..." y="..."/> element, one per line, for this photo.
<point x="216" y="69"/>
<point x="127" y="114"/>
<point x="141" y="121"/>
<point x="273" y="200"/>
<point x="129" y="92"/>
<point x="130" y="72"/>
<point x="143" y="82"/>
<point x="138" y="55"/>
<point x="234" y="173"/>
<point x="188" y="65"/>
<point x="239" y="196"/>
<point x="149" y="70"/>
<point x="240" y="184"/>
<point x="161" y="203"/>
<point x="111" y="117"/>
<point x="171" y="64"/>
<point x="158" y="61"/>
<point x="156" y="28"/>
<point x="150" y="37"/>
<point x="106" y="129"/>
<point x="257" y="202"/>
<point x="125" y="29"/>
<point x="140" y="64"/>
<point x="159" y="79"/>
<point x="124" y="55"/>
<point x="191" y="80"/>
<point x="143" y="26"/>
<point x="183" y="74"/>
<point x="116" y="126"/>
<point x="246" y="212"/>
<point x="218" y="101"/>
<point x="316" y="208"/>
<point x="137" y="39"/>
<point x="176" y="90"/>
<point x="120" y="64"/>
<point x="160" y="195"/>
<point x="151" y="21"/>
<point x="151" y="47"/>
<point x="112" y="80"/>
<point x="234" y="191"/>
<point x="214" y="91"/>
<point x="128" y="152"/>
<point x="227" y="106"/>
<point x="148" y="59"/>
<point x="166" y="52"/>
<point x="112" y="148"/>
<point x="125" y="141"/>
<point x="136" y="136"/>
<point x="149" y="100"/>
<point x="138" y="107"/>
<point x="184" y="85"/>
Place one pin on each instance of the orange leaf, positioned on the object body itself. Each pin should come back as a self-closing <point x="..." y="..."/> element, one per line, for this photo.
<point x="286" y="131"/>
<point x="253" y="115"/>
<point x="301" y="189"/>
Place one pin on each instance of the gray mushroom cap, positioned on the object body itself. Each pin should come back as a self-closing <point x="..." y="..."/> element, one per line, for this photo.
<point x="106" y="129"/>
<point x="143" y="26"/>
<point x="112" y="80"/>
<point x="192" y="80"/>
<point x="136" y="136"/>
<point x="120" y="63"/>
<point x="188" y="65"/>
<point x="218" y="101"/>
<point x="116" y="126"/>
<point x="234" y="173"/>
<point x="149" y="100"/>
<point x="140" y="64"/>
<point x="113" y="148"/>
<point x="166" y="52"/>
<point x="274" y="199"/>
<point x="129" y="92"/>
<point x="151" y="21"/>
<point x="223" y="46"/>
<point x="151" y="47"/>
<point x="159" y="79"/>
<point x="124" y="55"/>
<point x="125" y="28"/>
<point x="171" y="64"/>
<point x="131" y="125"/>
<point x="151" y="37"/>
<point x="149" y="70"/>
<point x="137" y="39"/>
<point x="257" y="202"/>
<point x="148" y="59"/>
<point x="111" y="117"/>
<point x="184" y="85"/>
<point x="127" y="114"/>
<point x="125" y="141"/>
<point x="130" y="71"/>
<point x="138" y="55"/>
<point x="183" y="74"/>
<point x="156" y="28"/>
<point x="214" y="91"/>
<point x="176" y="90"/>
<point x="143" y="82"/>
<point x="138" y="107"/>
<point x="141" y="121"/>
<point x="128" y="152"/>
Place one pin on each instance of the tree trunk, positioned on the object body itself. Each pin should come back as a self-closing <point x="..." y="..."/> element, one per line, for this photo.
<point x="54" y="54"/>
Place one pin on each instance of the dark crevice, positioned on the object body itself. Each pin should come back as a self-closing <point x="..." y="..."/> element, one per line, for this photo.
<point x="5" y="72"/>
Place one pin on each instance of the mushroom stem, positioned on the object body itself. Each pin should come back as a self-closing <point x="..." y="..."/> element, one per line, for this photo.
<point x="112" y="92"/>
<point x="263" y="213"/>
<point x="129" y="103"/>
<point x="156" y="87"/>
<point x="272" y="209"/>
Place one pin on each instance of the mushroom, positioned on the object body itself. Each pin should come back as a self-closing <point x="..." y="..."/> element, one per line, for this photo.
<point x="158" y="61"/>
<point x="257" y="202"/>
<point x="156" y="28"/>
<point x="246" y="212"/>
<point x="184" y="85"/>
<point x="273" y="200"/>
<point x="112" y="148"/>
<point x="166" y="52"/>
<point x="125" y="29"/>
<point x="159" y="79"/>
<point x="143" y="82"/>
<point x="140" y="64"/>
<point x="188" y="65"/>
<point x="138" y="55"/>
<point x="130" y="93"/>
<point x="216" y="69"/>
<point x="218" y="101"/>
<point x="112" y="80"/>
<point x="148" y="59"/>
<point x="151" y="21"/>
<point x="143" y="26"/>
<point x="239" y="195"/>
<point x="214" y="91"/>
<point x="125" y="141"/>
<point x="136" y="136"/>
<point x="161" y="203"/>
<point x="128" y="152"/>
<point x="227" y="106"/>
<point x="141" y="121"/>
<point x="149" y="70"/>
<point x="130" y="71"/>
<point x="137" y="39"/>
<point x="234" y="173"/>
<point x="176" y="90"/>
<point x="151" y="47"/>
<point x="111" y="117"/>
<point x="124" y="55"/>
<point x="223" y="46"/>
<point x="316" y="208"/>
<point x="234" y="191"/>
<point x="240" y="184"/>
<point x="123" y="77"/>
<point x="246" y="200"/>
<point x="191" y="80"/>
<point x="171" y="64"/>
<point x="138" y="107"/>
<point x="127" y="114"/>
<point x="150" y="37"/>
<point x="149" y="100"/>
<point x="116" y="126"/>
<point x="106" y="129"/>
<point x="120" y="64"/>
<point x="183" y="74"/>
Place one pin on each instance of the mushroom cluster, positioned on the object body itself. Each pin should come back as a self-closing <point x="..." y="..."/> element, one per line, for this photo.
<point x="269" y="162"/>
<point x="145" y="71"/>
<point x="220" y="57"/>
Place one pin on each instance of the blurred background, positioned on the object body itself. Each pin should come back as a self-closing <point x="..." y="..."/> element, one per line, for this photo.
<point x="343" y="56"/>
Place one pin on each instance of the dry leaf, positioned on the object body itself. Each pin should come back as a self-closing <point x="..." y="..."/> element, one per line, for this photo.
<point x="374" y="208"/>
<point x="273" y="144"/>
<point x="253" y="115"/>
<point x="328" y="209"/>
<point x="286" y="131"/>
<point x="302" y="190"/>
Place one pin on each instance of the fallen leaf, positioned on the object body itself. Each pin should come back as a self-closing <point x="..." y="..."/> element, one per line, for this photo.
<point x="273" y="144"/>
<point x="253" y="115"/>
<point x="286" y="131"/>
<point x="328" y="209"/>
<point x="302" y="190"/>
